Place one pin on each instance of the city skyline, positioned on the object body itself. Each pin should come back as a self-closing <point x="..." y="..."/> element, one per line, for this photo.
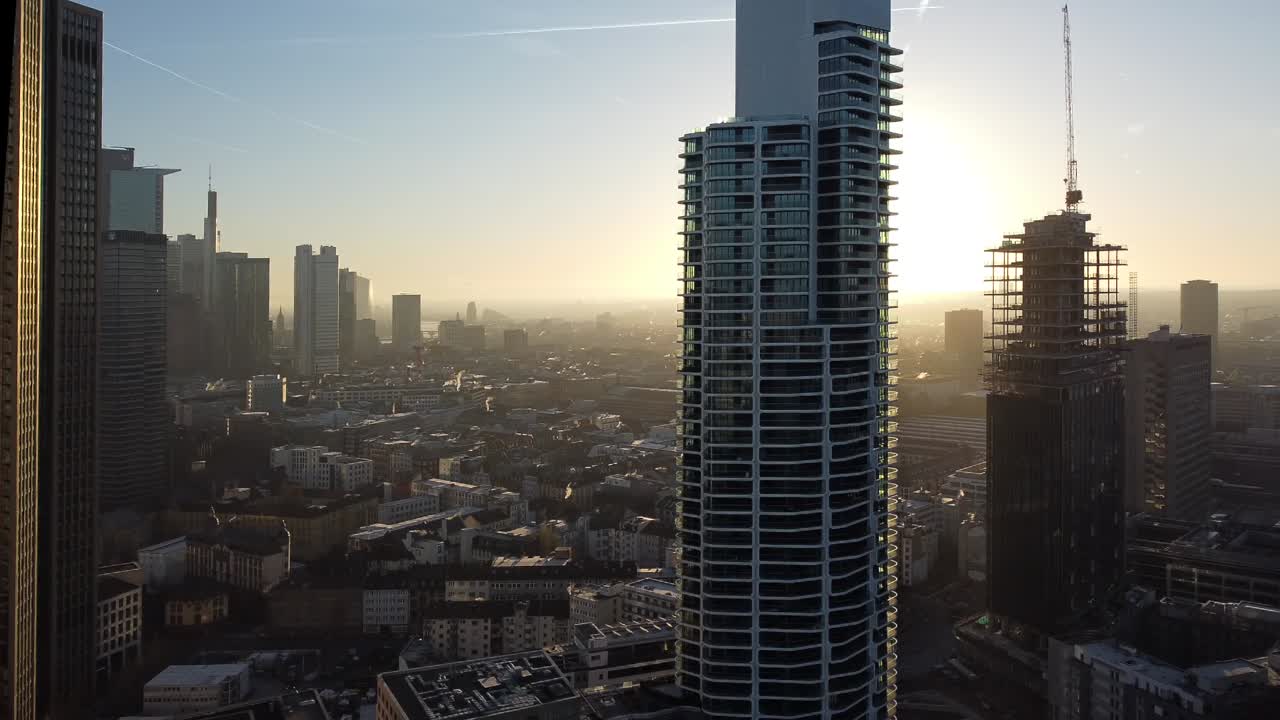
<point x="271" y="165"/>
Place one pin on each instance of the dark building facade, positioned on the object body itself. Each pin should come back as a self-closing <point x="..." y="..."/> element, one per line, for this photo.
<point x="1167" y="392"/>
<point x="963" y="338"/>
<point x="346" y="317"/>
<point x="242" y="317"/>
<point x="72" y="217"/>
<point x="134" y="418"/>
<point x="1055" y="424"/>
<point x="406" y="322"/>
<point x="1199" y="310"/>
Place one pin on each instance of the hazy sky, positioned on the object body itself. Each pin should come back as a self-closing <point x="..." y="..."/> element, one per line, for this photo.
<point x="544" y="165"/>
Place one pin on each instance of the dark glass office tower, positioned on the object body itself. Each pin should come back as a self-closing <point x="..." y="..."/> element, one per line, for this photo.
<point x="242" y="316"/>
<point x="788" y="552"/>
<point x="1055" y="424"/>
<point x="347" y="283"/>
<point x="72" y="217"/>
<point x="134" y="418"/>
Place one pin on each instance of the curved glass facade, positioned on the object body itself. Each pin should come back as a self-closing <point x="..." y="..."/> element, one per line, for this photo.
<point x="788" y="555"/>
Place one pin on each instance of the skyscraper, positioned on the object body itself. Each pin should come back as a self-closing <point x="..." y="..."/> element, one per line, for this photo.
<point x="133" y="197"/>
<point x="20" y="287"/>
<point x="472" y="314"/>
<point x="315" y="310"/>
<point x="1199" y="308"/>
<point x="1168" y="396"/>
<point x="364" y="298"/>
<point x="173" y="267"/>
<point x="134" y="416"/>
<point x="964" y="338"/>
<point x="788" y="550"/>
<point x="1055" y="424"/>
<point x="242" y="317"/>
<point x="346" y="317"/>
<point x="73" y="211"/>
<point x="210" y="246"/>
<point x="406" y="322"/>
<point x="192" y="255"/>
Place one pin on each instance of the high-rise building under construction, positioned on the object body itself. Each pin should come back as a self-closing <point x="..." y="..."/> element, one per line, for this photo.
<point x="1055" y="423"/>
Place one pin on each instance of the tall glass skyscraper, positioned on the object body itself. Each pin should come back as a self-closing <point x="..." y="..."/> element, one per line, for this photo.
<point x="787" y="492"/>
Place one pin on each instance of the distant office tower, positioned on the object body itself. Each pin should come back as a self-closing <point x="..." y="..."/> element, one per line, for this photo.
<point x="367" y="343"/>
<point x="1168" y="397"/>
<point x="964" y="338"/>
<point x="451" y="333"/>
<point x="472" y="314"/>
<point x="134" y="416"/>
<point x="515" y="342"/>
<point x="346" y="317"/>
<point x="1055" y="424"/>
<point x="20" y="265"/>
<point x="192" y="253"/>
<point x="406" y="322"/>
<point x="133" y="196"/>
<point x="242" y="317"/>
<point x="68" y="500"/>
<point x="210" y="245"/>
<point x="364" y="298"/>
<point x="1200" y="310"/>
<point x="605" y="323"/>
<point x="473" y="337"/>
<point x="787" y="565"/>
<point x="315" y="311"/>
<point x="173" y="267"/>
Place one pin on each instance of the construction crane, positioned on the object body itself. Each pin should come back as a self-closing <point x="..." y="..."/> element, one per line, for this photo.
<point x="1074" y="195"/>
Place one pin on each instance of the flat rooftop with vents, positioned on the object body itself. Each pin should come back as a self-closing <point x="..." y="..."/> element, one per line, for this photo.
<point x="525" y="685"/>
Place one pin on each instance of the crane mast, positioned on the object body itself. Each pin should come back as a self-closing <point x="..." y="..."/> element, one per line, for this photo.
<point x="1074" y="194"/>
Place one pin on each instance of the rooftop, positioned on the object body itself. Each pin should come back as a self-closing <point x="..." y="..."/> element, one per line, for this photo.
<point x="480" y="688"/>
<point x="302" y="705"/>
<point x="110" y="587"/>
<point x="195" y="675"/>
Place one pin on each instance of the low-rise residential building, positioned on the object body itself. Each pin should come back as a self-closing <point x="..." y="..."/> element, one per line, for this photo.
<point x="649" y="599"/>
<point x="240" y="557"/>
<point x="386" y="610"/>
<point x="918" y="550"/>
<point x="317" y="526"/>
<point x="164" y="564"/>
<point x="453" y="494"/>
<point x="415" y="506"/>
<point x="1106" y="680"/>
<point x="196" y="604"/>
<point x="595" y="604"/>
<point x="315" y="468"/>
<point x="613" y="654"/>
<point x="635" y="539"/>
<point x="180" y="689"/>
<point x="119" y="625"/>
<point x="479" y="628"/>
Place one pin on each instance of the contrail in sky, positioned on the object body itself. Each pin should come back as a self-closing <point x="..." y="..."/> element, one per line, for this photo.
<point x="919" y="9"/>
<point x="233" y="98"/>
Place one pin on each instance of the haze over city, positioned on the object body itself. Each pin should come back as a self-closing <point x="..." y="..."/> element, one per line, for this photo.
<point x="617" y="360"/>
<point x="539" y="166"/>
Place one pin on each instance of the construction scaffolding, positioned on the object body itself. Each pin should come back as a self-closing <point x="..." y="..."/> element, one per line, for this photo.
<point x="1057" y="314"/>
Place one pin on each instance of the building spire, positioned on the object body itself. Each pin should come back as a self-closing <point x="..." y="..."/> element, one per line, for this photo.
<point x="210" y="177"/>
